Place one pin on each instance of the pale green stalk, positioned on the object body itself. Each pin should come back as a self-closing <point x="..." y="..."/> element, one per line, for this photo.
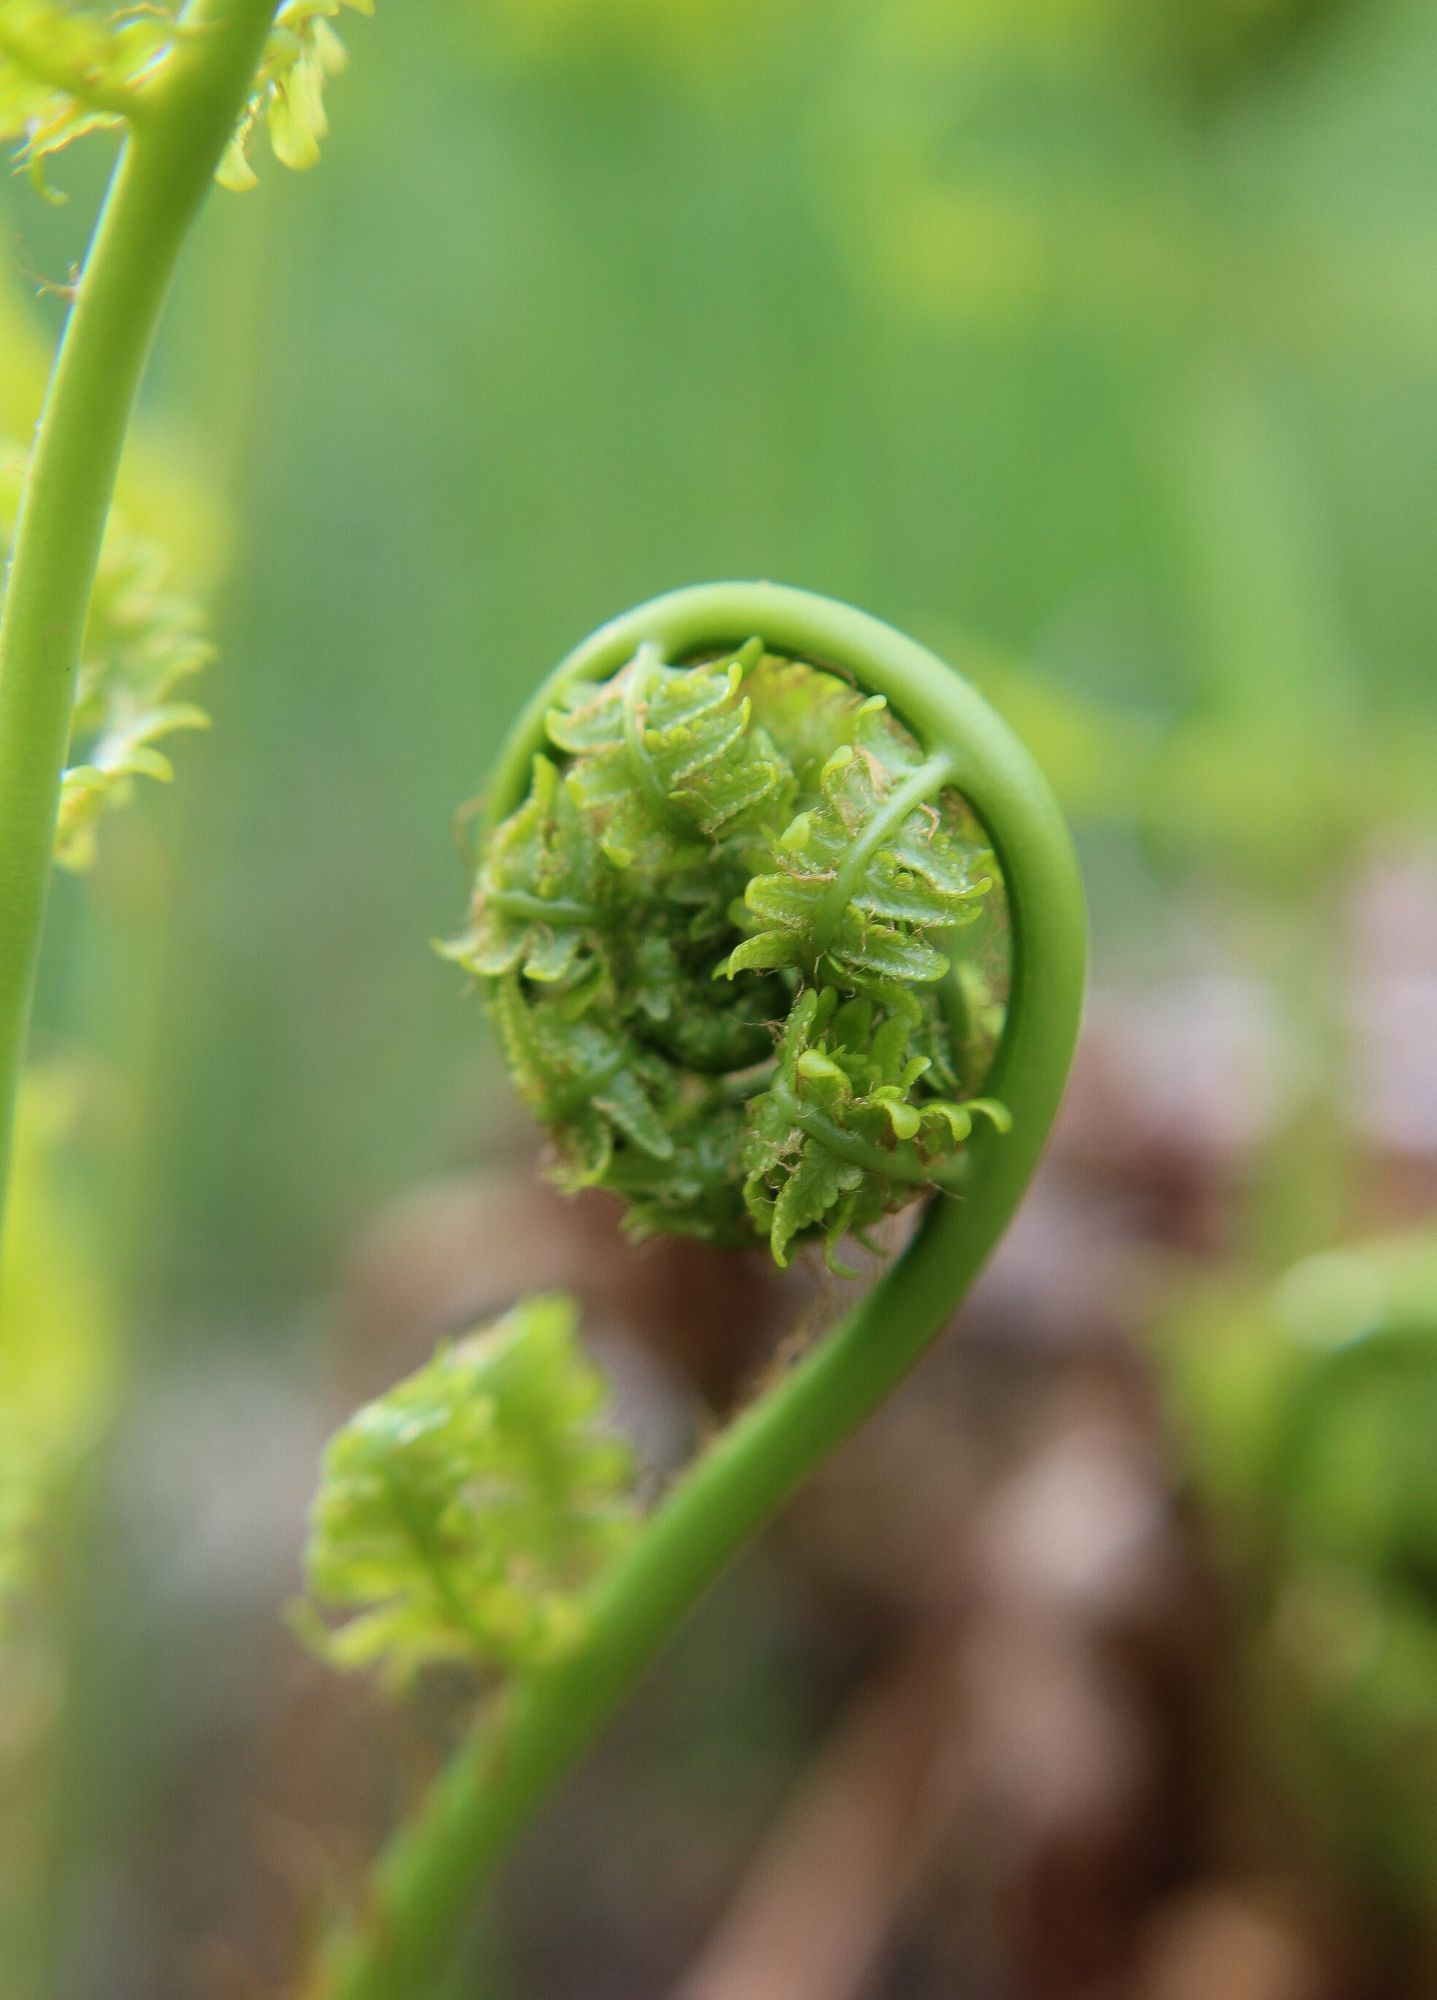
<point x="180" y="124"/>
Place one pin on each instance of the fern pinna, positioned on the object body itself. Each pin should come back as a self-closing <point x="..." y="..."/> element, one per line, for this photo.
<point x="781" y="930"/>
<point x="721" y="940"/>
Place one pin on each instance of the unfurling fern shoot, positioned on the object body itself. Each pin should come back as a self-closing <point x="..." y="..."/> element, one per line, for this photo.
<point x="461" y="1513"/>
<point x="781" y="930"/>
<point x="721" y="942"/>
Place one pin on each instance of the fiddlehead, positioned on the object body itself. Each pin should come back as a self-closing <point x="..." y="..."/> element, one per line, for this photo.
<point x="718" y="941"/>
<point x="461" y="1513"/>
<point x="672" y="1088"/>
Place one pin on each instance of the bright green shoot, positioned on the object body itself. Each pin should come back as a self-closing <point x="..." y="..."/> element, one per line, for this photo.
<point x="460" y="1515"/>
<point x="782" y="930"/>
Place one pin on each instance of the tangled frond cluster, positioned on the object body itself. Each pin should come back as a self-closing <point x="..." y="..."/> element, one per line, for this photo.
<point x="460" y="1516"/>
<point x="141" y="640"/>
<point x="718" y="940"/>
<point x="68" y="70"/>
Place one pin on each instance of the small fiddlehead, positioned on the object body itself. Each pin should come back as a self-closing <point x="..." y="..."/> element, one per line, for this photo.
<point x="460" y="1514"/>
<point x="733" y="846"/>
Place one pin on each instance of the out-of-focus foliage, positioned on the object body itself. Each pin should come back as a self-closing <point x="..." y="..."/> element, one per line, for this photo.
<point x="57" y="1359"/>
<point x="21" y="1500"/>
<point x="1208" y="48"/>
<point x="1201" y="50"/>
<point x="687" y="35"/>
<point x="66" y="71"/>
<point x="288" y="96"/>
<point x="22" y="380"/>
<point x="1211" y="788"/>
<point x="59" y="1386"/>
<point x="141" y="641"/>
<point x="460" y="1517"/>
<point x="1308" y="1412"/>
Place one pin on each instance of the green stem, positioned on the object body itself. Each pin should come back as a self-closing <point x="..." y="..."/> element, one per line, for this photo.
<point x="181" y="123"/>
<point x="426" y="1884"/>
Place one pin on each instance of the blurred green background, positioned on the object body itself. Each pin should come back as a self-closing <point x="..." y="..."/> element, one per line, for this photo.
<point x="1093" y="341"/>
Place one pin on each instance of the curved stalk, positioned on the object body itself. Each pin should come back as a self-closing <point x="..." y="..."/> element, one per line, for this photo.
<point x="425" y="1885"/>
<point x="180" y="124"/>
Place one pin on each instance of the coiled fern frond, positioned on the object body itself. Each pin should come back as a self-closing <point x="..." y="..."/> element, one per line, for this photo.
<point x="461" y="1514"/>
<point x="744" y="929"/>
<point x="19" y="1506"/>
<point x="719" y="941"/>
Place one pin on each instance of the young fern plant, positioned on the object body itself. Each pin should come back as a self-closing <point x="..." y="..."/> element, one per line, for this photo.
<point x="782" y="931"/>
<point x="94" y="649"/>
<point x="184" y="87"/>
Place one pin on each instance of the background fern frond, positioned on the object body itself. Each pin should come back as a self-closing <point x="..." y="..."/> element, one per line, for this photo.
<point x="288" y="95"/>
<point x="461" y="1515"/>
<point x="141" y="641"/>
<point x="66" y="71"/>
<point x="58" y="1361"/>
<point x="21" y="1501"/>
